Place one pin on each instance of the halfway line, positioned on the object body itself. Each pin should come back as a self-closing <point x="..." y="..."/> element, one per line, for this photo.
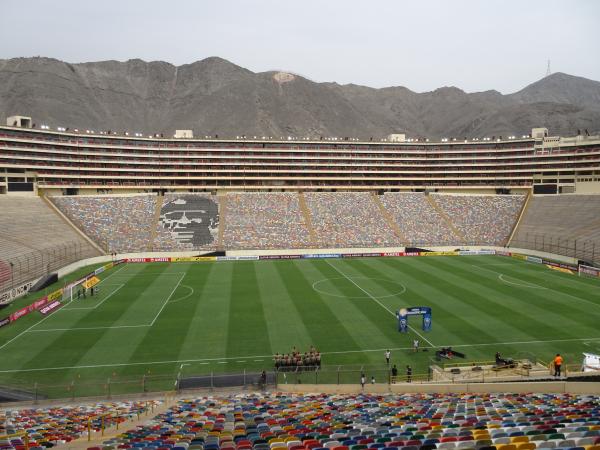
<point x="377" y="301"/>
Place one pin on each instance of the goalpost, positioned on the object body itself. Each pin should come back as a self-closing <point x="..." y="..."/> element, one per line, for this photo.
<point x="588" y="271"/>
<point x="70" y="290"/>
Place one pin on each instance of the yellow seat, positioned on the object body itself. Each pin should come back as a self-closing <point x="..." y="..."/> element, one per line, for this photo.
<point x="516" y="439"/>
<point x="506" y="447"/>
<point x="526" y="446"/>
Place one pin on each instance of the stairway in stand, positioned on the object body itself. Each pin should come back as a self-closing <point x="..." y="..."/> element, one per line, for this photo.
<point x="388" y="218"/>
<point x="307" y="219"/>
<point x="459" y="234"/>
<point x="154" y="227"/>
<point x="222" y="215"/>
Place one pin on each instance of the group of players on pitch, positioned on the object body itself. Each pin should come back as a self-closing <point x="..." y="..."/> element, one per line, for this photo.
<point x="297" y="361"/>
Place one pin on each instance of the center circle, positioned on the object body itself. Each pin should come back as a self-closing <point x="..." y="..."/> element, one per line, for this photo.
<point x="327" y="287"/>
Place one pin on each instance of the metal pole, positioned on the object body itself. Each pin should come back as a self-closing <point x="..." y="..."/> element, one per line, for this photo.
<point x="12" y="275"/>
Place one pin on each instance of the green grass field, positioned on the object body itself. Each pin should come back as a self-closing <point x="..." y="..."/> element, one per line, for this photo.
<point x="160" y="319"/>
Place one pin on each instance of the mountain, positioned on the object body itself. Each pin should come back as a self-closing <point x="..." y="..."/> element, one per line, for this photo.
<point x="215" y="96"/>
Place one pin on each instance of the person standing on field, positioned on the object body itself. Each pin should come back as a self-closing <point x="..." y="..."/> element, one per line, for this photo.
<point x="415" y="345"/>
<point x="558" y="361"/>
<point x="387" y="357"/>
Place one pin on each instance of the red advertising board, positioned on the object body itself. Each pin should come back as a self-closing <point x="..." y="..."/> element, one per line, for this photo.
<point x="147" y="260"/>
<point x="50" y="307"/>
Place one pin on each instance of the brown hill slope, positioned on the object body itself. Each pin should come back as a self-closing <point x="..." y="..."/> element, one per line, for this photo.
<point x="214" y="96"/>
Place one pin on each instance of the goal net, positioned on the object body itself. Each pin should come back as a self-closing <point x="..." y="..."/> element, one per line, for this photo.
<point x="588" y="271"/>
<point x="79" y="288"/>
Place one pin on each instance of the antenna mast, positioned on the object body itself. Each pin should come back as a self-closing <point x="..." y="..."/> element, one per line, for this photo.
<point x="548" y="71"/>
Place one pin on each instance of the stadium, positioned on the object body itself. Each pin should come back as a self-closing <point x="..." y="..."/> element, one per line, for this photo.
<point x="141" y="271"/>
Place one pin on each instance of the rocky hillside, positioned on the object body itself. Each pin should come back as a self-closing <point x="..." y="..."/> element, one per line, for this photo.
<point x="214" y="96"/>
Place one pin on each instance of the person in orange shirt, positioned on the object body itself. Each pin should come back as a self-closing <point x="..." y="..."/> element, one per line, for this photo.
<point x="558" y="360"/>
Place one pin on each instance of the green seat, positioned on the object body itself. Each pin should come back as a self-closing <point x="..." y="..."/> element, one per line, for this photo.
<point x="539" y="437"/>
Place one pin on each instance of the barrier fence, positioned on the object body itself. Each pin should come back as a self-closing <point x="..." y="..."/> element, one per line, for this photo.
<point x="582" y="249"/>
<point x="107" y="388"/>
<point x="350" y="375"/>
<point x="23" y="268"/>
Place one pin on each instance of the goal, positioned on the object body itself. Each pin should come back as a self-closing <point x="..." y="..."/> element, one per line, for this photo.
<point x="70" y="290"/>
<point x="589" y="271"/>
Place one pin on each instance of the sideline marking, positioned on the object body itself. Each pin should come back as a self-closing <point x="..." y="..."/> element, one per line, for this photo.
<point x="209" y="360"/>
<point x="358" y="297"/>
<point x="140" y="273"/>
<point x="378" y="302"/>
<point x="46" y="330"/>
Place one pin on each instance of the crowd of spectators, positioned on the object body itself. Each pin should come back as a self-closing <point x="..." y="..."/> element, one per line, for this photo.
<point x="187" y="222"/>
<point x="418" y="221"/>
<point x="272" y="220"/>
<point x="297" y="361"/>
<point x="265" y="221"/>
<point x="483" y="219"/>
<point x="47" y="427"/>
<point x="349" y="219"/>
<point x="118" y="224"/>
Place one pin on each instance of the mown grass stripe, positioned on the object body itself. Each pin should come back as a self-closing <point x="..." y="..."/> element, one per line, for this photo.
<point x="208" y="333"/>
<point x="175" y="321"/>
<point x="286" y="327"/>
<point x="326" y="331"/>
<point x="362" y="313"/>
<point x="451" y="316"/>
<point x="519" y="317"/>
<point x="543" y="303"/>
<point x="247" y="331"/>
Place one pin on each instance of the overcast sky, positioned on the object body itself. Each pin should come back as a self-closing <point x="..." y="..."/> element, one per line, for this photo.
<point x="425" y="44"/>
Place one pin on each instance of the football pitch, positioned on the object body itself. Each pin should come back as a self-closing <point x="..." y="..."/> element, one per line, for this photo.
<point x="165" y="319"/>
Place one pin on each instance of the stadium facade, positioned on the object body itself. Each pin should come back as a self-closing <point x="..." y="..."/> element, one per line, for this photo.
<point x="55" y="162"/>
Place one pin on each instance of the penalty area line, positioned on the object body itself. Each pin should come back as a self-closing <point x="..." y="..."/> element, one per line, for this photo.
<point x="120" y="285"/>
<point x="51" y="314"/>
